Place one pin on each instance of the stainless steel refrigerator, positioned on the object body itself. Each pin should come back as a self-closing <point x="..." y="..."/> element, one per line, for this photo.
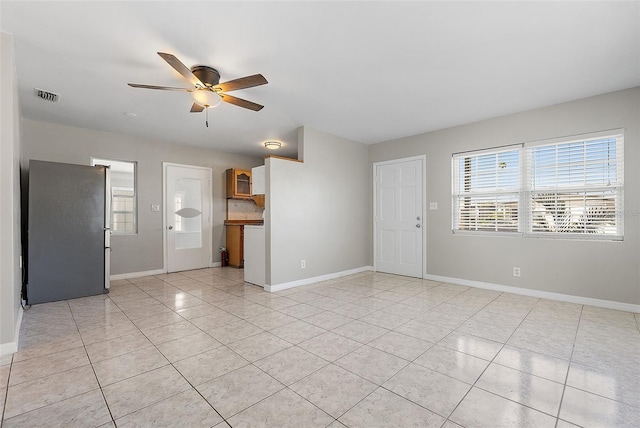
<point x="68" y="231"/>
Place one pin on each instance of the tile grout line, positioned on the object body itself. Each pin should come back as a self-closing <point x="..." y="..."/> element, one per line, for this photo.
<point x="169" y="363"/>
<point x="225" y="346"/>
<point x="285" y="387"/>
<point x="566" y="378"/>
<point x="521" y="404"/>
<point x="106" y="403"/>
<point x="412" y="361"/>
<point x="491" y="361"/>
<point x="56" y="373"/>
<point x="237" y="293"/>
<point x="180" y="373"/>
<point x="6" y="395"/>
<point x="362" y="345"/>
<point x="152" y="344"/>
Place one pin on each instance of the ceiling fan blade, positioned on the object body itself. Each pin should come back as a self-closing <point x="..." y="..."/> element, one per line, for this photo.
<point x="242" y="83"/>
<point x="163" y="88"/>
<point x="196" y="108"/>
<point x="181" y="68"/>
<point x="240" y="102"/>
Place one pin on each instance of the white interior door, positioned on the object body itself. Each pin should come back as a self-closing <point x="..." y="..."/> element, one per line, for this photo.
<point x="187" y="217"/>
<point x="398" y="217"/>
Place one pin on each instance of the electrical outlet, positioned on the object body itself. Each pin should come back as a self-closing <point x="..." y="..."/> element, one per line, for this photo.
<point x="155" y="208"/>
<point x="516" y="271"/>
<point x="303" y="264"/>
<point x="433" y="205"/>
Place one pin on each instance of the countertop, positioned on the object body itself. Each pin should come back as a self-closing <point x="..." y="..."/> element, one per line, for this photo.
<point x="242" y="222"/>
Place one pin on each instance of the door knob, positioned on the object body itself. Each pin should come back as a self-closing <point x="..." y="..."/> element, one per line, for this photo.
<point x="170" y="227"/>
<point x="418" y="225"/>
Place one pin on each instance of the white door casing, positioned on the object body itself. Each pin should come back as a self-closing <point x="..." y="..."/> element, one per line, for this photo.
<point x="399" y="213"/>
<point x="187" y="217"/>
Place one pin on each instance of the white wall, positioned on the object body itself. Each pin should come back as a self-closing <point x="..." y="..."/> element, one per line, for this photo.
<point x="141" y="252"/>
<point x="317" y="210"/>
<point x="593" y="269"/>
<point x="10" y="248"/>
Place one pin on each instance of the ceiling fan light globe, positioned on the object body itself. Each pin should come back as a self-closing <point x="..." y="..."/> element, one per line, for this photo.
<point x="207" y="98"/>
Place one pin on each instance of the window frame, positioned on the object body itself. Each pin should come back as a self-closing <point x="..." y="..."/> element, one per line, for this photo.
<point x="497" y="193"/>
<point x="526" y="188"/>
<point x="108" y="162"/>
<point x="618" y="186"/>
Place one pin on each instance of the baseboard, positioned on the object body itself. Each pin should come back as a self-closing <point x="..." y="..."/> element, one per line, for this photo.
<point x="8" y="348"/>
<point x="18" y="324"/>
<point x="609" y="304"/>
<point x="136" y="274"/>
<point x="216" y="264"/>
<point x="12" y="347"/>
<point x="313" y="280"/>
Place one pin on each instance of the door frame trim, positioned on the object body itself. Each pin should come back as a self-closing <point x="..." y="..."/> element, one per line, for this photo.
<point x="423" y="161"/>
<point x="165" y="252"/>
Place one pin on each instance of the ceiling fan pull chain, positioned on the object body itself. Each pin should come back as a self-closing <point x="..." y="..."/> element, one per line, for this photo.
<point x="206" y="120"/>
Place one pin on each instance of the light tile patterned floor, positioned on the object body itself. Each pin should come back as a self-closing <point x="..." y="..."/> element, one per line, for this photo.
<point x="204" y="349"/>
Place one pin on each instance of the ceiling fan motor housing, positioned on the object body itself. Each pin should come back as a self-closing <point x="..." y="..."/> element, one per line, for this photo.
<point x="207" y="75"/>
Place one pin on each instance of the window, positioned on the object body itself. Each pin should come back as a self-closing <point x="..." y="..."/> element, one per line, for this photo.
<point x="123" y="195"/>
<point x="571" y="187"/>
<point x="575" y="187"/>
<point x="486" y="191"/>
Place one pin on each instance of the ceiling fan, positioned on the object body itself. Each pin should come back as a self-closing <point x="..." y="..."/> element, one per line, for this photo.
<point x="207" y="90"/>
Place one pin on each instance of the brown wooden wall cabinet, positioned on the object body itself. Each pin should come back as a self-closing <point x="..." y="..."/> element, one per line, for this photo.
<point x="238" y="183"/>
<point x="235" y="245"/>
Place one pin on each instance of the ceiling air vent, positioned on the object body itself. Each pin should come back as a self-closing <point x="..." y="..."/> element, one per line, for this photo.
<point x="47" y="95"/>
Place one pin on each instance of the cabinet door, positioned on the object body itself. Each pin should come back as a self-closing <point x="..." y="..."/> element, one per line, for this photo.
<point x="230" y="179"/>
<point x="243" y="183"/>
<point x="235" y="245"/>
<point x="258" y="180"/>
<point x="238" y="183"/>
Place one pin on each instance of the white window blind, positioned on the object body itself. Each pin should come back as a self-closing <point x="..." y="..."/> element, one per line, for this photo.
<point x="575" y="188"/>
<point x="486" y="190"/>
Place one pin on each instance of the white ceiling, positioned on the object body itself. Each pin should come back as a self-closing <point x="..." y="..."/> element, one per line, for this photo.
<point x="366" y="71"/>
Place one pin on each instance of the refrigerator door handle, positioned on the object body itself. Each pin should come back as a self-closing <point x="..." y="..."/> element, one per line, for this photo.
<point x="107" y="268"/>
<point x="107" y="228"/>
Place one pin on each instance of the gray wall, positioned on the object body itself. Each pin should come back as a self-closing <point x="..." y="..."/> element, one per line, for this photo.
<point x="10" y="248"/>
<point x="317" y="210"/>
<point x="595" y="269"/>
<point x="143" y="251"/>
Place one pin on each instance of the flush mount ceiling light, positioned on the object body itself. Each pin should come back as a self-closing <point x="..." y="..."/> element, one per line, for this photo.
<point x="272" y="145"/>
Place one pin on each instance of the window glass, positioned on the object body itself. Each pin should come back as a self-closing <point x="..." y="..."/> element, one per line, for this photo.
<point x="123" y="195"/>
<point x="568" y="188"/>
<point x="575" y="188"/>
<point x="486" y="191"/>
